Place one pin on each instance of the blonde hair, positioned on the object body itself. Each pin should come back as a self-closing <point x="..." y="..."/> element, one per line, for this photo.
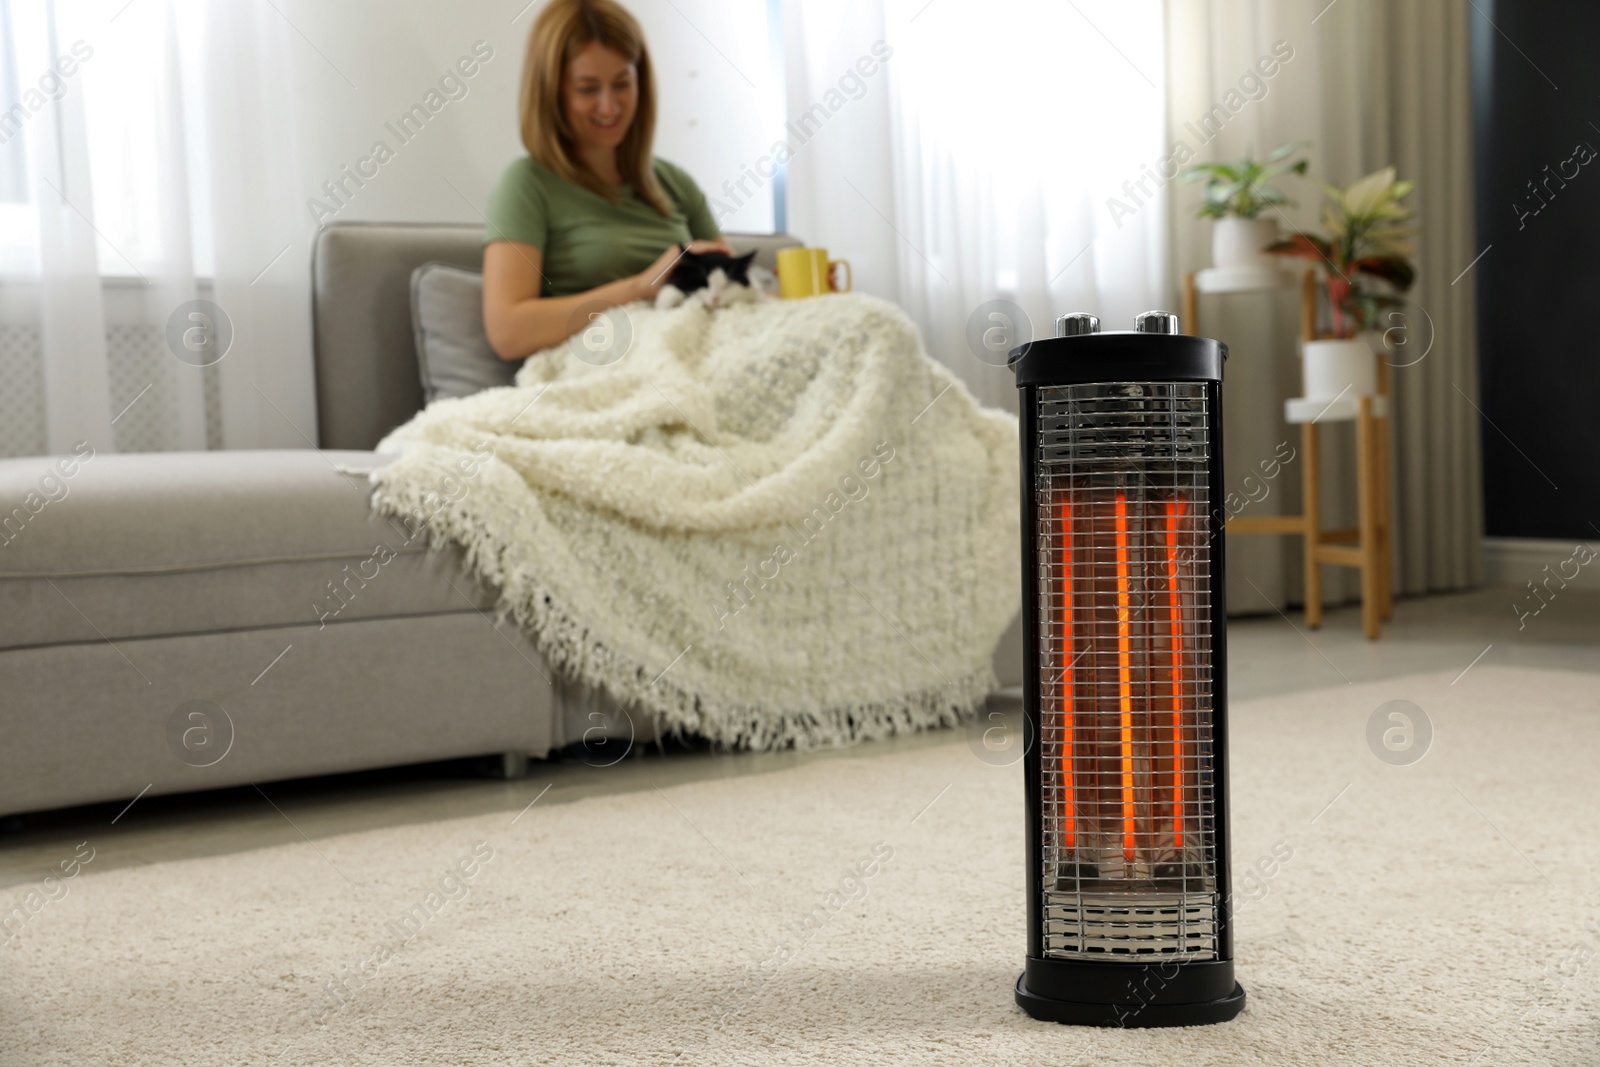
<point x="562" y="30"/>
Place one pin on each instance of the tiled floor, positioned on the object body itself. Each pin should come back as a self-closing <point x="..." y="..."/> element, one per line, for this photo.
<point x="1267" y="656"/>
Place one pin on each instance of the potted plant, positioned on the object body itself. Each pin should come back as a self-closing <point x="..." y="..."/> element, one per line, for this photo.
<point x="1237" y="195"/>
<point x="1365" y="263"/>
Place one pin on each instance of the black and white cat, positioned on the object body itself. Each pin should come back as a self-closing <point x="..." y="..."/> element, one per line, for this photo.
<point x="715" y="279"/>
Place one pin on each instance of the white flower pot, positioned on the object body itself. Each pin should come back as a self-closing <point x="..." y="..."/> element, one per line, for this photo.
<point x="1237" y="243"/>
<point x="1340" y="368"/>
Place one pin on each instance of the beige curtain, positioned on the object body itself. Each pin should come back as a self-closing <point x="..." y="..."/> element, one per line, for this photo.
<point x="1368" y="83"/>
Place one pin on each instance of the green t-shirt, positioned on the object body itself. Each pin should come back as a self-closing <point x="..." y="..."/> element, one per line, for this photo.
<point x="587" y="240"/>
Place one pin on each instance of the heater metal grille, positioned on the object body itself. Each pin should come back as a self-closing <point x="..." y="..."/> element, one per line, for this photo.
<point x="1122" y="490"/>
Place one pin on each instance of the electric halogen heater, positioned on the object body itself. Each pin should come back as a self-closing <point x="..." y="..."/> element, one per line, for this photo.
<point x="1122" y="571"/>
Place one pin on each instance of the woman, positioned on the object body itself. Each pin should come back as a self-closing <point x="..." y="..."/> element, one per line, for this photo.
<point x="588" y="220"/>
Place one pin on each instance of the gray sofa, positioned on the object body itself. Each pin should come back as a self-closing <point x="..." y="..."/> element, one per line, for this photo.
<point x="168" y="622"/>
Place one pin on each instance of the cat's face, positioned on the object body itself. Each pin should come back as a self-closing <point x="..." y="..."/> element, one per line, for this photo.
<point x="694" y="270"/>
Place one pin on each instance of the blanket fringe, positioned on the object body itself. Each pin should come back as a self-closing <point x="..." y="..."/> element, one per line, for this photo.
<point x="572" y="648"/>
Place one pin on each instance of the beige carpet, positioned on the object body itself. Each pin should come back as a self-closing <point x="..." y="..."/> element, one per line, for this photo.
<point x="1443" y="912"/>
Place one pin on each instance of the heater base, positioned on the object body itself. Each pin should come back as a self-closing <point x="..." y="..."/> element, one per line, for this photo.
<point x="1078" y="1013"/>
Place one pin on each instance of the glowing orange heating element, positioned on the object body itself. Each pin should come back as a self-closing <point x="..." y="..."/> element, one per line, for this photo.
<point x="1125" y="678"/>
<point x="1070" y="814"/>
<point x="1175" y="510"/>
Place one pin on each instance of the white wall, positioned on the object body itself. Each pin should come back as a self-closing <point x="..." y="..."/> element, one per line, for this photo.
<point x="719" y="100"/>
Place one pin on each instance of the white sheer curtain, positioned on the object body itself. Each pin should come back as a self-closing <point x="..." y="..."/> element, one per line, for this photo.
<point x="138" y="147"/>
<point x="978" y="161"/>
<point x="62" y="253"/>
<point x="1369" y="84"/>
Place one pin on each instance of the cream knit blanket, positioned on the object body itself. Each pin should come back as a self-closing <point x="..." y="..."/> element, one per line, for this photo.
<point x="768" y="524"/>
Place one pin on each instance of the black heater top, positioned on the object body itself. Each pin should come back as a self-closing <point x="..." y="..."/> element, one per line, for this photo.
<point x="1154" y="352"/>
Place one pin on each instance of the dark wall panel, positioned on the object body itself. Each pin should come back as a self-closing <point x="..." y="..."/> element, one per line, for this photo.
<point x="1537" y="125"/>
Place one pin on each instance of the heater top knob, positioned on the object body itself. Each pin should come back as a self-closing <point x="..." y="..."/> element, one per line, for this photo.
<point x="1076" y="323"/>
<point x="1156" y="322"/>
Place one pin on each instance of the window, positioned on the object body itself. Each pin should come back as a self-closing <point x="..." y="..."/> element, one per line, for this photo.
<point x="103" y="82"/>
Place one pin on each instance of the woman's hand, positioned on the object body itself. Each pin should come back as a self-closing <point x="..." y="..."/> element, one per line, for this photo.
<point x="649" y="281"/>
<point x="519" y="321"/>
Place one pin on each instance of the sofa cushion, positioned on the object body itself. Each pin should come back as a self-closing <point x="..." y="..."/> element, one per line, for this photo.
<point x="103" y="546"/>
<point x="453" y="350"/>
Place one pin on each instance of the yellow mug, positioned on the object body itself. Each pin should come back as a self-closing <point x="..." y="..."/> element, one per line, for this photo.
<point x="809" y="272"/>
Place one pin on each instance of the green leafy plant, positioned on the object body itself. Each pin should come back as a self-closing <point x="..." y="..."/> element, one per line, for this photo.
<point x="1240" y="188"/>
<point x="1366" y="259"/>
